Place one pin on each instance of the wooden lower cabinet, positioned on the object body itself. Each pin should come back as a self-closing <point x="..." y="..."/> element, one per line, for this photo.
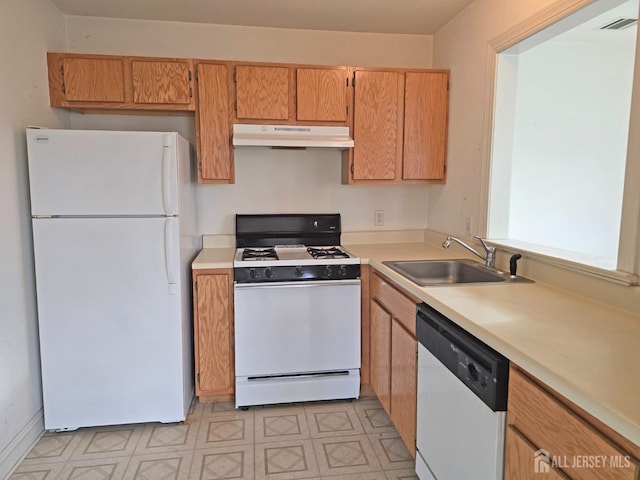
<point x="524" y="462"/>
<point x="213" y="332"/>
<point x="394" y="356"/>
<point x="542" y="422"/>
<point x="404" y="387"/>
<point x="381" y="354"/>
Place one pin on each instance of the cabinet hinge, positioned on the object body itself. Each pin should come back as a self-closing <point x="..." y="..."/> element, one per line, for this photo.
<point x="196" y="75"/>
<point x="234" y="77"/>
<point x="200" y="170"/>
<point x="198" y="378"/>
<point x="190" y="76"/>
<point x="352" y="168"/>
<point x="447" y="85"/>
<point x="190" y="92"/>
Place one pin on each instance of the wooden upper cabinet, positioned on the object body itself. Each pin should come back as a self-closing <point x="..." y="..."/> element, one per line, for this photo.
<point x="262" y="93"/>
<point x="377" y="124"/>
<point x="213" y="124"/>
<point x="108" y="82"/>
<point x="93" y="80"/>
<point x="161" y="82"/>
<point x="425" y="125"/>
<point x="321" y="94"/>
<point x="399" y="127"/>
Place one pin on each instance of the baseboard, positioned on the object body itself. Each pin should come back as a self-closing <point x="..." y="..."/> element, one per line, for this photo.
<point x="22" y="443"/>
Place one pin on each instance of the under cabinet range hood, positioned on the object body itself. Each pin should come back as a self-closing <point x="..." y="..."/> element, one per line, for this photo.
<point x="291" y="136"/>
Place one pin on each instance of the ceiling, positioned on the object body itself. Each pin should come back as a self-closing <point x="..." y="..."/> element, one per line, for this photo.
<point x="422" y="17"/>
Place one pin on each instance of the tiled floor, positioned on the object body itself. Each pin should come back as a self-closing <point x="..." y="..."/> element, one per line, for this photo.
<point x="337" y="440"/>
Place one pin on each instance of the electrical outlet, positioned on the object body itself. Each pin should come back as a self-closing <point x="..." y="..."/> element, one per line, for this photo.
<point x="468" y="225"/>
<point x="378" y="219"/>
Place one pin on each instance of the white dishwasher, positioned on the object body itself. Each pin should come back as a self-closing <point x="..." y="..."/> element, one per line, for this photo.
<point x="462" y="402"/>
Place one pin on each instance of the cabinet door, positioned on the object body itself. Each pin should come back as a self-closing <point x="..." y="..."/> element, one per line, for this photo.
<point x="321" y="94"/>
<point x="377" y="125"/>
<point x="213" y="126"/>
<point x="425" y="125"/>
<point x="213" y="333"/>
<point x="161" y="82"/>
<point x="93" y="80"/>
<point x="523" y="462"/>
<point x="381" y="354"/>
<point x="262" y="93"/>
<point x="404" y="387"/>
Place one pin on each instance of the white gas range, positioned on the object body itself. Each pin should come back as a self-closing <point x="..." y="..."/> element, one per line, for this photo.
<point x="296" y="310"/>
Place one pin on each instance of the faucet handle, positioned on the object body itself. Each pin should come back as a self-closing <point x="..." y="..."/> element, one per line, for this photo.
<point x="486" y="247"/>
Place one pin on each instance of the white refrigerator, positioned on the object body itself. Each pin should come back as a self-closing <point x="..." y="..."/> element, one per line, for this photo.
<point x="113" y="217"/>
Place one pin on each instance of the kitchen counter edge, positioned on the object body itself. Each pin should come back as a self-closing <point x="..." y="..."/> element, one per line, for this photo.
<point x="212" y="258"/>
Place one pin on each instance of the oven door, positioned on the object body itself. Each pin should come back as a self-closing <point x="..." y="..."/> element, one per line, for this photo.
<point x="296" y="327"/>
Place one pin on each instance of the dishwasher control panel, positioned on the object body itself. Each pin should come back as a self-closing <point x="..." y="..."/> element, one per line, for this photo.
<point x="483" y="370"/>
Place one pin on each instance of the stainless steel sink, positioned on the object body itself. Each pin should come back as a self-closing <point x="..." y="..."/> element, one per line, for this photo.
<point x="450" y="272"/>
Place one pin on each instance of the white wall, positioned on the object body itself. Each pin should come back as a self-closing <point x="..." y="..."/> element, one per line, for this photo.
<point x="29" y="28"/>
<point x="570" y="145"/>
<point x="462" y="46"/>
<point x="266" y="181"/>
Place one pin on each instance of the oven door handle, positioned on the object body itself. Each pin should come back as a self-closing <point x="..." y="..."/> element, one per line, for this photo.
<point x="299" y="284"/>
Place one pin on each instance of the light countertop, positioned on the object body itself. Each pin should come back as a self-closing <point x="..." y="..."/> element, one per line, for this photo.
<point x="213" y="258"/>
<point x="585" y="350"/>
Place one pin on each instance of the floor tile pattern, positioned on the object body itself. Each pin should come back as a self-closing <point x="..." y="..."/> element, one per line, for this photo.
<point x="317" y="440"/>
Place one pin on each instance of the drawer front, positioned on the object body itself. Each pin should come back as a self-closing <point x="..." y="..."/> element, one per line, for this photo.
<point x="551" y="426"/>
<point x="401" y="307"/>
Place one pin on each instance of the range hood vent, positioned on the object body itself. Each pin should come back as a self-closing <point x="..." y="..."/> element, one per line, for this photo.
<point x="291" y="136"/>
<point x="620" y="24"/>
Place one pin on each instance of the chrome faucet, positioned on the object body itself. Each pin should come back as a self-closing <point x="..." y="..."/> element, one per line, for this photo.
<point x="489" y="258"/>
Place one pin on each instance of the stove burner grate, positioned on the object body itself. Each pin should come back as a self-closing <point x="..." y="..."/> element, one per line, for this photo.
<point x="329" y="252"/>
<point x="259" y="254"/>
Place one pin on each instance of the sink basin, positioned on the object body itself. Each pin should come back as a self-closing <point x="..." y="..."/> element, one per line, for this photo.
<point x="449" y="272"/>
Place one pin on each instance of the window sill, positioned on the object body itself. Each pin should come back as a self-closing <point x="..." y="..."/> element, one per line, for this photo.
<point x="587" y="264"/>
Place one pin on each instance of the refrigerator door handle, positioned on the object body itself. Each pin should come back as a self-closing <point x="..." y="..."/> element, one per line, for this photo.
<point x="169" y="246"/>
<point x="168" y="173"/>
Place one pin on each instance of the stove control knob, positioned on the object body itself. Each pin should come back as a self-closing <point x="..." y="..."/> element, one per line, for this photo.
<point x="327" y="271"/>
<point x="268" y="273"/>
<point x="342" y="271"/>
<point x="253" y="273"/>
<point x="299" y="272"/>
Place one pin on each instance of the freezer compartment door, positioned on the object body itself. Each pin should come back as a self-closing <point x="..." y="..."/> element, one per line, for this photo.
<point x="111" y="329"/>
<point x="80" y="172"/>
